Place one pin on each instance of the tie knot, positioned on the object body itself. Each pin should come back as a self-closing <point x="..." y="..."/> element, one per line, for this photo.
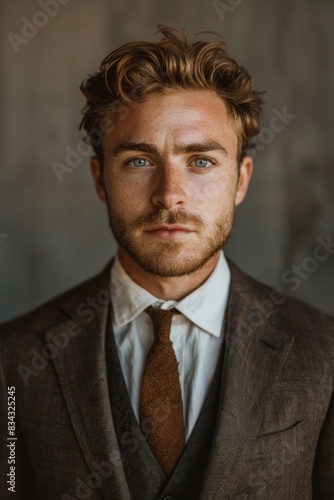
<point x="161" y="319"/>
<point x="161" y="314"/>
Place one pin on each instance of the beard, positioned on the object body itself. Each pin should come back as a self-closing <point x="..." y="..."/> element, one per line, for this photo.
<point x="171" y="258"/>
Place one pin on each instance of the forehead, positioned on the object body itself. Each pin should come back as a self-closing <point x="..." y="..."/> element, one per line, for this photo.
<point x="177" y="115"/>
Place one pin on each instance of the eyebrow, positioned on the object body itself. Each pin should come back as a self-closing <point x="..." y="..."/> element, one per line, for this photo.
<point x="196" y="147"/>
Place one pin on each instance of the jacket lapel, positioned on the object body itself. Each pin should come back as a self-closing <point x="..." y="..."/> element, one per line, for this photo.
<point x="256" y="349"/>
<point x="81" y="370"/>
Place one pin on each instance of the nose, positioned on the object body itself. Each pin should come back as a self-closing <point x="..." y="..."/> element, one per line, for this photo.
<point x="170" y="188"/>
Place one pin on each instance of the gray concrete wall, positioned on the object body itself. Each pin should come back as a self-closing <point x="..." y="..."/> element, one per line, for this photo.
<point x="55" y="234"/>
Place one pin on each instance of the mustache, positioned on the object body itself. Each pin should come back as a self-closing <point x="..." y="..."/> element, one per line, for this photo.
<point x="167" y="217"/>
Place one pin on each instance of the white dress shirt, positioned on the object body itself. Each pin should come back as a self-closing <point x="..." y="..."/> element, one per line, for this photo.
<point x="196" y="334"/>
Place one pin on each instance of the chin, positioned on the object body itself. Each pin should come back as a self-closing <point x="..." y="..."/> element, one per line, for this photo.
<point x="172" y="262"/>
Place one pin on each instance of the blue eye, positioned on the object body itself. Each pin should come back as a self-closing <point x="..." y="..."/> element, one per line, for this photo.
<point x="202" y="163"/>
<point x="138" y="162"/>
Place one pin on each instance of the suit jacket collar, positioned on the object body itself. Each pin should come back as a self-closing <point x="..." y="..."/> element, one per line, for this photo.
<point x="256" y="349"/>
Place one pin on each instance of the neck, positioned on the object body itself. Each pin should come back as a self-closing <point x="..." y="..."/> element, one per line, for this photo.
<point x="166" y="288"/>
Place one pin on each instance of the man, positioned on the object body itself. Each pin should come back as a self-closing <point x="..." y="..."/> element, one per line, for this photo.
<point x="171" y="375"/>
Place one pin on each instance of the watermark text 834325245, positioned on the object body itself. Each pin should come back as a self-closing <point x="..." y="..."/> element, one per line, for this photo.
<point x="11" y="439"/>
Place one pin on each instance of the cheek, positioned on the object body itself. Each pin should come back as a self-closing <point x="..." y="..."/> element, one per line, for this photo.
<point x="124" y="197"/>
<point x="215" y="194"/>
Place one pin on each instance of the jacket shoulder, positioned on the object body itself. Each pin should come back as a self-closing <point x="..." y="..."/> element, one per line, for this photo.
<point x="276" y="306"/>
<point x="52" y="312"/>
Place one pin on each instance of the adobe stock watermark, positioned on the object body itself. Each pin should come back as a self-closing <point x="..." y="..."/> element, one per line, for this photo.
<point x="85" y="487"/>
<point x="31" y="27"/>
<point x="75" y="156"/>
<point x="301" y="272"/>
<point x="59" y="339"/>
<point x="294" y="277"/>
<point x="278" y="122"/>
<point x="287" y="455"/>
<point x="130" y="442"/>
<point x="222" y="8"/>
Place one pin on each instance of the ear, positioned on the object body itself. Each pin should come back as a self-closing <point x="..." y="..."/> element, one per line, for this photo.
<point x="96" y="170"/>
<point x="246" y="169"/>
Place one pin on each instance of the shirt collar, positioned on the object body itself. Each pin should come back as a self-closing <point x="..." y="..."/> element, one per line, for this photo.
<point x="205" y="306"/>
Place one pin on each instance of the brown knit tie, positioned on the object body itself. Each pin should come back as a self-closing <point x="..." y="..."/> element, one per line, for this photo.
<point x="161" y="408"/>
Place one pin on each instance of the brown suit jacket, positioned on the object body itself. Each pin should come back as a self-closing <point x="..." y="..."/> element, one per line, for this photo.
<point x="274" y="435"/>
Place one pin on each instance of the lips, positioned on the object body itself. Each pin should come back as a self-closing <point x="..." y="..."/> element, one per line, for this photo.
<point x="169" y="227"/>
<point x="169" y="231"/>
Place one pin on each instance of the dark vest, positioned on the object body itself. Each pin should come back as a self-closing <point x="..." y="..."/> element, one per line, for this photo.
<point x="145" y="479"/>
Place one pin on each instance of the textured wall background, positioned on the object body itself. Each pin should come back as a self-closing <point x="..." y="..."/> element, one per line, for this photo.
<point x="55" y="234"/>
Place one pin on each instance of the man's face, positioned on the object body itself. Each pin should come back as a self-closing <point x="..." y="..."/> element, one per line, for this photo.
<point x="170" y="181"/>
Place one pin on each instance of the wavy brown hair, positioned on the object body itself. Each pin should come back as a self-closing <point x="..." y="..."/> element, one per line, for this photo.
<point x="136" y="69"/>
